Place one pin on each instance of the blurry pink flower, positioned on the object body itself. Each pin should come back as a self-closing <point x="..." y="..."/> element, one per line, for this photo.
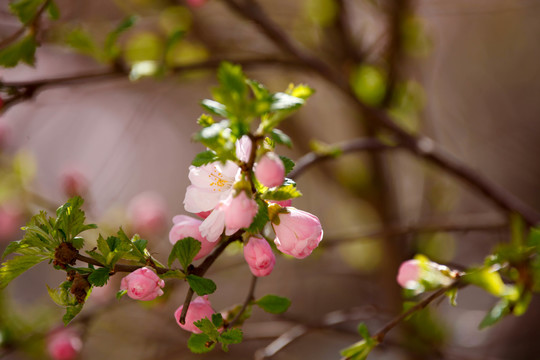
<point x="270" y="170"/>
<point x="11" y="218"/>
<point x="282" y="203"/>
<point x="408" y="273"/>
<point x="142" y="284"/>
<point x="240" y="211"/>
<point x="185" y="226"/>
<point x="243" y="148"/>
<point x="196" y="3"/>
<point x="298" y="233"/>
<point x="199" y="308"/>
<point x="73" y="182"/>
<point x="148" y="213"/>
<point x="259" y="256"/>
<point x="64" y="344"/>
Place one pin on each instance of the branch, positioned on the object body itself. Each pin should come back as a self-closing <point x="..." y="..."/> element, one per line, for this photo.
<point x="32" y="25"/>
<point x="360" y="144"/>
<point x="420" y="146"/>
<point x="249" y="298"/>
<point x="120" y="267"/>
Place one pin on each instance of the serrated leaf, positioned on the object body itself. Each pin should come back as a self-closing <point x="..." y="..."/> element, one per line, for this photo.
<point x="215" y="107"/>
<point x="61" y="295"/>
<point x="139" y="246"/>
<point x="204" y="158"/>
<point x="16" y="266"/>
<point x="217" y="320"/>
<point x="281" y="138"/>
<point x="71" y="312"/>
<point x="282" y="101"/>
<point x="232" y="78"/>
<point x="208" y="328"/>
<point x="200" y="285"/>
<point x="99" y="277"/>
<point x="77" y="242"/>
<point x="500" y="310"/>
<point x="70" y="219"/>
<point x="184" y="250"/>
<point x="260" y="219"/>
<point x="197" y="343"/>
<point x="22" y="50"/>
<point x="230" y="336"/>
<point x="288" y="163"/>
<point x="284" y="192"/>
<point x="26" y="10"/>
<point x="273" y="304"/>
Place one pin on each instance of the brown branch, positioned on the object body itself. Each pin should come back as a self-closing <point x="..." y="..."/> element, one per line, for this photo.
<point x="249" y="298"/>
<point x="360" y="144"/>
<point x="344" y="27"/>
<point x="120" y="267"/>
<point x="420" y="146"/>
<point x="33" y="24"/>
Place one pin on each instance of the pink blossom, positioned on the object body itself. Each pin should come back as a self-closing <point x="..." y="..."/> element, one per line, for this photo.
<point x="297" y="233"/>
<point x="259" y="256"/>
<point x="64" y="344"/>
<point x="199" y="308"/>
<point x="185" y="226"/>
<point x="196" y="3"/>
<point x="204" y="214"/>
<point x="11" y="218"/>
<point x="408" y="273"/>
<point x="243" y="148"/>
<point x="74" y="182"/>
<point x="143" y="284"/>
<point x="148" y="213"/>
<point x="270" y="170"/>
<point x="240" y="211"/>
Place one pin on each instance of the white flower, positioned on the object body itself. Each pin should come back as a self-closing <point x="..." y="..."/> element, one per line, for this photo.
<point x="211" y="187"/>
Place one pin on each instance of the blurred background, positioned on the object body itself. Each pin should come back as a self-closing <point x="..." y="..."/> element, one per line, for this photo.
<point x="465" y="73"/>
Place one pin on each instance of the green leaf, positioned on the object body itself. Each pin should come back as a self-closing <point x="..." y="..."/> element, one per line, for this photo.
<point x="273" y="304"/>
<point x="230" y="336"/>
<point x="452" y="296"/>
<point x="184" y="250"/>
<point x="215" y="107"/>
<point x="369" y="84"/>
<point x="500" y="310"/>
<point x="81" y="41"/>
<point x="288" y="163"/>
<point x="99" y="277"/>
<point x="26" y="10"/>
<point x="208" y="328"/>
<point x="281" y="138"/>
<point x="217" y="320"/>
<point x="53" y="11"/>
<point x="282" y="101"/>
<point x="70" y="219"/>
<point x="71" y="312"/>
<point x="16" y="266"/>
<point x="201" y="285"/>
<point x="363" y="331"/>
<point x="260" y="219"/>
<point x="204" y="158"/>
<point x="488" y="279"/>
<point x="22" y="50"/>
<point x="197" y="343"/>
<point x="284" y="192"/>
<point x="62" y="296"/>
<point x="231" y="314"/>
<point x="175" y="274"/>
<point x="121" y="293"/>
<point x="205" y="120"/>
<point x="78" y="242"/>
<point x="112" y="50"/>
<point x="232" y="78"/>
<point x="358" y="351"/>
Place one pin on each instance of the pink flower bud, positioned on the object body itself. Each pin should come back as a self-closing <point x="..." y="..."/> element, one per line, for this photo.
<point x="270" y="170"/>
<point x="240" y="211"/>
<point x="73" y="182"/>
<point x="143" y="284"/>
<point x="259" y="256"/>
<point x="199" y="308"/>
<point x="64" y="345"/>
<point x="185" y="226"/>
<point x="408" y="273"/>
<point x="297" y="233"/>
<point x="148" y="214"/>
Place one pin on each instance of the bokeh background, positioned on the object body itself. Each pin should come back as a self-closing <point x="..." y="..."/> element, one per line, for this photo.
<point x="469" y="77"/>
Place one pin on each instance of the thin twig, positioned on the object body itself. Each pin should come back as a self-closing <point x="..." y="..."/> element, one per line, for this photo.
<point x="249" y="298"/>
<point x="121" y="267"/>
<point x="32" y="24"/>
